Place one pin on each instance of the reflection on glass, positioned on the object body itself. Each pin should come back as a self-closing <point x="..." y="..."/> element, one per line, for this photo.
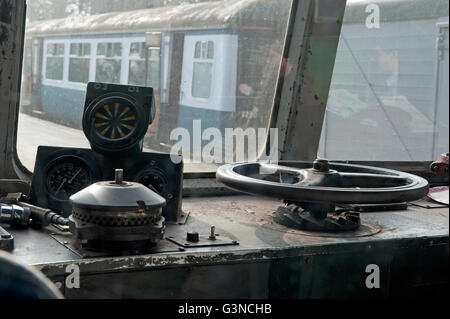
<point x="219" y="68"/>
<point x="201" y="81"/>
<point x="79" y="62"/>
<point x="79" y="70"/>
<point x="54" y="68"/>
<point x="108" y="71"/>
<point x="385" y="100"/>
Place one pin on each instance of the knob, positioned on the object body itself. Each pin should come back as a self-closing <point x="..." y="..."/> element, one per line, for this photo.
<point x="321" y="165"/>
<point x="192" y="237"/>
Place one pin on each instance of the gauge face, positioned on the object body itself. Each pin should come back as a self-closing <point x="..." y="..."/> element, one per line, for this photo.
<point x="154" y="179"/>
<point x="115" y="120"/>
<point x="67" y="176"/>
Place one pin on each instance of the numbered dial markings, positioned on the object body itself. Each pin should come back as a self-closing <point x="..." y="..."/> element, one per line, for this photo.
<point x="67" y="177"/>
<point x="115" y="120"/>
<point x="153" y="179"/>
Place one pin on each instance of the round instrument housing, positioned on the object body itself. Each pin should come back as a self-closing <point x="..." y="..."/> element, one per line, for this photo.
<point x="117" y="216"/>
<point x="116" y="117"/>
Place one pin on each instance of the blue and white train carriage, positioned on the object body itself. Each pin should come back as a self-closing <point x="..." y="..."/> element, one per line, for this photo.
<point x="195" y="56"/>
<point x="218" y="62"/>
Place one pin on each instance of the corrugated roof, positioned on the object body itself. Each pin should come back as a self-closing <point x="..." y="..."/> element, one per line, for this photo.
<point x="219" y="14"/>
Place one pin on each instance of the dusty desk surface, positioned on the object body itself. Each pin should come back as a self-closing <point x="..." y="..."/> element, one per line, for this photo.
<point x="245" y="219"/>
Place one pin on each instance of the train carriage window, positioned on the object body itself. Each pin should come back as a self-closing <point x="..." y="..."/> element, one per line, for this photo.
<point x="137" y="67"/>
<point x="79" y="62"/>
<point x="109" y="62"/>
<point x="203" y="69"/>
<point x="55" y="61"/>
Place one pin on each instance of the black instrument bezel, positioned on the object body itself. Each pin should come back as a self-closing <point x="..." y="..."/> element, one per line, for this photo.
<point x="102" y="169"/>
<point x="46" y="158"/>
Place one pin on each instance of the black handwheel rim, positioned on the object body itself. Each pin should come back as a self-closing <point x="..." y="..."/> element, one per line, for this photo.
<point x="234" y="176"/>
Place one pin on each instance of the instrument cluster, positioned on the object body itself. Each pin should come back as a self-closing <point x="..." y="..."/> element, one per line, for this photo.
<point x="61" y="172"/>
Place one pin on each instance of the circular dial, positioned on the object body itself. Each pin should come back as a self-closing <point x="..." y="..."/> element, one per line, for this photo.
<point x="115" y="120"/>
<point x="66" y="177"/>
<point x="154" y="179"/>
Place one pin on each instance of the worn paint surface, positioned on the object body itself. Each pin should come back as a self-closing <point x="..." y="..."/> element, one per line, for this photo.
<point x="11" y="38"/>
<point x="248" y="220"/>
<point x="266" y="259"/>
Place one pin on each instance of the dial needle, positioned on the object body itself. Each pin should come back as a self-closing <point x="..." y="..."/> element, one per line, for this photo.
<point x="60" y="186"/>
<point x="74" y="176"/>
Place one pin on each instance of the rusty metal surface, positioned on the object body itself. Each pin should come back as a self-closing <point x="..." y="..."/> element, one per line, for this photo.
<point x="12" y="18"/>
<point x="245" y="219"/>
<point x="440" y="167"/>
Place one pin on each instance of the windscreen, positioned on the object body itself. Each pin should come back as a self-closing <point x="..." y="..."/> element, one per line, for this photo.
<point x="213" y="66"/>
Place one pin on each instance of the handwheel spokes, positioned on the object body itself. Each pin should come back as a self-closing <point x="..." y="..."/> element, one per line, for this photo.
<point x="369" y="180"/>
<point x="327" y="178"/>
<point x="270" y="172"/>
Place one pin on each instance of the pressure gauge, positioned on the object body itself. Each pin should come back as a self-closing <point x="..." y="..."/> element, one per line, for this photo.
<point x="66" y="176"/>
<point x="153" y="178"/>
<point x="59" y="173"/>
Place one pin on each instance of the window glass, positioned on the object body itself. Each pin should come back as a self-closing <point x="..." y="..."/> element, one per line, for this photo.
<point x="210" y="50"/>
<point x="203" y="71"/>
<point x="79" y="62"/>
<point x="137" y="67"/>
<point x="154" y="68"/>
<point x="137" y="64"/>
<point x="55" y="61"/>
<point x="389" y="93"/>
<point x="27" y="63"/>
<point x="109" y="63"/>
<point x="211" y="61"/>
<point x="201" y="82"/>
<point x="198" y="49"/>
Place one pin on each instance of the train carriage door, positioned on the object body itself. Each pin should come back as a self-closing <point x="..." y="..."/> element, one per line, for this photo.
<point x="208" y="85"/>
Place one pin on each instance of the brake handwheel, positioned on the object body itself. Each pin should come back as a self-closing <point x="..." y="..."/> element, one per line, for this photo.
<point x="312" y="190"/>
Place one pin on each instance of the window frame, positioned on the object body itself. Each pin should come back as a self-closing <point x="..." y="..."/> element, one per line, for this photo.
<point x="302" y="23"/>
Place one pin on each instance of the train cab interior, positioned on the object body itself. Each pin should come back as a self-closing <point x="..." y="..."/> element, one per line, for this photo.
<point x="224" y="149"/>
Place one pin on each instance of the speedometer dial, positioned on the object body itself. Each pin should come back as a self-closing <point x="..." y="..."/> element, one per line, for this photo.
<point x="67" y="176"/>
